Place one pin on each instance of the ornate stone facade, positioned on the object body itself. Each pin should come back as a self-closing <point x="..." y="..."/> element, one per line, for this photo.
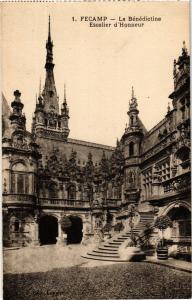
<point x="56" y="189"/>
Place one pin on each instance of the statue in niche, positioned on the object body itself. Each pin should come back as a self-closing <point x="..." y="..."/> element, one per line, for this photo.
<point x="131" y="179"/>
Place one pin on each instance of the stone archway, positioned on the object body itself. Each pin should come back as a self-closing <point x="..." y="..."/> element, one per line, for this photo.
<point x="181" y="218"/>
<point x="75" y="231"/>
<point x="48" y="230"/>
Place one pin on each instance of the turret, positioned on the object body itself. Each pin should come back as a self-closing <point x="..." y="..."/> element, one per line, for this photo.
<point x="64" y="114"/>
<point x="135" y="130"/>
<point x="131" y="141"/>
<point x="17" y="118"/>
<point x="181" y="94"/>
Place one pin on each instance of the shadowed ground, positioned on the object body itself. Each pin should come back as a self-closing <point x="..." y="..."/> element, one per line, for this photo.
<point x="76" y="278"/>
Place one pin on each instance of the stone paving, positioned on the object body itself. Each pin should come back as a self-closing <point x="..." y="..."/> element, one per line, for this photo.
<point x="47" y="258"/>
<point x="42" y="258"/>
<point x="172" y="263"/>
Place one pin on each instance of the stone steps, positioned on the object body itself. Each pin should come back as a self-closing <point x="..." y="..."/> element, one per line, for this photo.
<point x="119" y="241"/>
<point x="110" y="246"/>
<point x="104" y="258"/>
<point x="103" y="255"/>
<point x="100" y="253"/>
<point x="109" y="251"/>
<point x="115" y="243"/>
<point x="105" y="250"/>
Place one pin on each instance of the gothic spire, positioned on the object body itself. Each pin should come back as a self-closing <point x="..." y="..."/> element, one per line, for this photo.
<point x="64" y="108"/>
<point x="49" y="30"/>
<point x="49" y="93"/>
<point x="49" y="46"/>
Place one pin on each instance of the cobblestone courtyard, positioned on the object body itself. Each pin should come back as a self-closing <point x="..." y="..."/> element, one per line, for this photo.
<point x="68" y="276"/>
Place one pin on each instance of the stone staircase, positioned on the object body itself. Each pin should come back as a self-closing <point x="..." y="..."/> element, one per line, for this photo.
<point x="109" y="251"/>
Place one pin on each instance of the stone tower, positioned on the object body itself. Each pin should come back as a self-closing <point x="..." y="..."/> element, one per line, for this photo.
<point x="131" y="141"/>
<point x="20" y="155"/>
<point x="181" y="112"/>
<point x="47" y="119"/>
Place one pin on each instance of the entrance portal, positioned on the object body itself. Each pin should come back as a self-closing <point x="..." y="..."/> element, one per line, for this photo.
<point x="48" y="230"/>
<point x="74" y="232"/>
<point x="181" y="218"/>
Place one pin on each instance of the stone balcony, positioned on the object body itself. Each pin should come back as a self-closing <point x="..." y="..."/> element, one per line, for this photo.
<point x="172" y="187"/>
<point x="177" y="184"/>
<point x="19" y="200"/>
<point x="45" y="202"/>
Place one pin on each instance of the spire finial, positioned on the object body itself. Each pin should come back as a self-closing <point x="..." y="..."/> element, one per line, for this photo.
<point x="168" y="108"/>
<point x="184" y="49"/>
<point x="133" y="102"/>
<point x="49" y="29"/>
<point x="40" y="86"/>
<point x="49" y="46"/>
<point x="132" y="93"/>
<point x="174" y="68"/>
<point x="65" y="93"/>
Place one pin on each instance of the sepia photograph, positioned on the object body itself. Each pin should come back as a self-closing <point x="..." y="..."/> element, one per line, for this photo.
<point x="96" y="185"/>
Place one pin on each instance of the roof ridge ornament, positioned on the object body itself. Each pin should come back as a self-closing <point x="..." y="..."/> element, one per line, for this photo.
<point x="133" y="102"/>
<point x="184" y="49"/>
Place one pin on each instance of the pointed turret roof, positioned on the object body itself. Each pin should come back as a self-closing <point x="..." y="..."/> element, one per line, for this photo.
<point x="49" y="91"/>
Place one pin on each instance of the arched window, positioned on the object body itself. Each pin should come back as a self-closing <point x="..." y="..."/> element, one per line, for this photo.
<point x="131" y="120"/>
<point x="72" y="192"/>
<point x="90" y="193"/>
<point x="16" y="225"/>
<point x="131" y="149"/>
<point x="53" y="190"/>
<point x="20" y="183"/>
<point x="19" y="179"/>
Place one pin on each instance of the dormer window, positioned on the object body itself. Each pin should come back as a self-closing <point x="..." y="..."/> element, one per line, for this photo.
<point x="51" y="93"/>
<point x="131" y="120"/>
<point x="131" y="149"/>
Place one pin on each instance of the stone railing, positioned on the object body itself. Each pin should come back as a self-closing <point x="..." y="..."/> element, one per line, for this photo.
<point x="180" y="183"/>
<point x="19" y="199"/>
<point x="63" y="203"/>
<point x="113" y="202"/>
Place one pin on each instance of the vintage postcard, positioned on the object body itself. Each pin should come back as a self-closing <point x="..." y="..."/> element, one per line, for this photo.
<point x="96" y="150"/>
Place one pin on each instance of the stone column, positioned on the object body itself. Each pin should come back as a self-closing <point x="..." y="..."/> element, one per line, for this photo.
<point x="85" y="232"/>
<point x="35" y="241"/>
<point x="62" y="237"/>
<point x="59" y="238"/>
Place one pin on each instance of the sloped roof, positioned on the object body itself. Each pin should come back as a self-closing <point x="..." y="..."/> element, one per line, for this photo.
<point x="6" y="111"/>
<point x="82" y="148"/>
<point x="142" y="126"/>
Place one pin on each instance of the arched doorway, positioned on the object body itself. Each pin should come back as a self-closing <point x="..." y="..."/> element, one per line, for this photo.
<point x="48" y="230"/>
<point x="74" y="232"/>
<point x="181" y="218"/>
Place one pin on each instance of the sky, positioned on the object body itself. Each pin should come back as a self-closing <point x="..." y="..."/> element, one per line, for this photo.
<point x="98" y="65"/>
